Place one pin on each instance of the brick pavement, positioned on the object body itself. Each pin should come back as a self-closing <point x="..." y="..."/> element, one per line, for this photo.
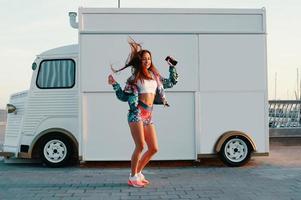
<point x="263" y="178"/>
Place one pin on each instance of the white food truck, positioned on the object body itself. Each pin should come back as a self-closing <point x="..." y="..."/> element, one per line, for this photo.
<point x="218" y="107"/>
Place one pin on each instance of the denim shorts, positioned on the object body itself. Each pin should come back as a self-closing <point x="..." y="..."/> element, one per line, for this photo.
<point x="143" y="113"/>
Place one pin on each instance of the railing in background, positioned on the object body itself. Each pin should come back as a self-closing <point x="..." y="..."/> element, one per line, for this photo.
<point x="284" y="114"/>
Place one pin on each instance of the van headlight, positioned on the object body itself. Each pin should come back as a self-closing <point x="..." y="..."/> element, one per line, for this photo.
<point x="10" y="108"/>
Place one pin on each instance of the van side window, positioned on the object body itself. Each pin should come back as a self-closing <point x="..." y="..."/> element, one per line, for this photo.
<point x="56" y="74"/>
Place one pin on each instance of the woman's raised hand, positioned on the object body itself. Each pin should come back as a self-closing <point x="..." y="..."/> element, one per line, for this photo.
<point x="171" y="61"/>
<point x="111" y="80"/>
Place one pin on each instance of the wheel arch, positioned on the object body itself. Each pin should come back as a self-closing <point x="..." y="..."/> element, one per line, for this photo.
<point x="228" y="134"/>
<point x="35" y="144"/>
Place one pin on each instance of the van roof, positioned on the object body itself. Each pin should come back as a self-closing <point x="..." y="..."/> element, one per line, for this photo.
<point x="63" y="50"/>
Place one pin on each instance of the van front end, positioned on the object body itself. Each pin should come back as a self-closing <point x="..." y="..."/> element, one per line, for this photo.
<point x="13" y="131"/>
<point x="42" y="122"/>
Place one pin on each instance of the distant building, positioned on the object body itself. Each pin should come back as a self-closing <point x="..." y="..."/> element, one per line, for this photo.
<point x="3" y="115"/>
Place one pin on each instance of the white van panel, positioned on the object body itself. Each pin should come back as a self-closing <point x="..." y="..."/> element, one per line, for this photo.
<point x="224" y="111"/>
<point x="176" y="127"/>
<point x="232" y="62"/>
<point x="171" y="20"/>
<point x="107" y="135"/>
<point x="99" y="51"/>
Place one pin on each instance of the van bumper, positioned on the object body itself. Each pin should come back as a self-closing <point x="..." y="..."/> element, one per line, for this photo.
<point x="7" y="154"/>
<point x="24" y="155"/>
<point x="11" y="154"/>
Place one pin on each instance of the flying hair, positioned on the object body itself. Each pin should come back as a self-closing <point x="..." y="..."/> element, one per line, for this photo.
<point x="134" y="60"/>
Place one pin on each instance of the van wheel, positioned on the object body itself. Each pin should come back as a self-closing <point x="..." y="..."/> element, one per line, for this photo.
<point x="235" y="151"/>
<point x="55" y="151"/>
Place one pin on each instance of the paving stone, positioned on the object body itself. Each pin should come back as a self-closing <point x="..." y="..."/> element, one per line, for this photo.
<point x="259" y="180"/>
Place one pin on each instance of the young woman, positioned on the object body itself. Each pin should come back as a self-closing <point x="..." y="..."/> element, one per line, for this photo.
<point x="143" y="89"/>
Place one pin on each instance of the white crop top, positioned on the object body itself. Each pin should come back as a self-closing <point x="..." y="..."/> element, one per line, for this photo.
<point x="148" y="86"/>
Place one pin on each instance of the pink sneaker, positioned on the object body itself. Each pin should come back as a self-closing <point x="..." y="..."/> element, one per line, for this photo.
<point x="135" y="182"/>
<point x="142" y="178"/>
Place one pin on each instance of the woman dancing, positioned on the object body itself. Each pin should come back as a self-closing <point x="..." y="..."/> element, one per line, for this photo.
<point x="143" y="89"/>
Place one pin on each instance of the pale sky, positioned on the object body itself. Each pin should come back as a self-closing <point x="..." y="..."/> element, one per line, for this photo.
<point x="34" y="26"/>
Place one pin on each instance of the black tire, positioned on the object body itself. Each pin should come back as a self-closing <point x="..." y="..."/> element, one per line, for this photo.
<point x="55" y="150"/>
<point x="235" y="151"/>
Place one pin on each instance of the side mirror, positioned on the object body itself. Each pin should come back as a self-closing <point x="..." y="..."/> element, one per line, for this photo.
<point x="34" y="66"/>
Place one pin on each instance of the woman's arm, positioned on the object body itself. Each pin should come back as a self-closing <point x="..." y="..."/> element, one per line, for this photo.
<point x="129" y="94"/>
<point x="121" y="95"/>
<point x="172" y="80"/>
<point x="133" y="102"/>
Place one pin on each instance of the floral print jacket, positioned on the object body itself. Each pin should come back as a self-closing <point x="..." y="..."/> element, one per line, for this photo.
<point x="130" y="93"/>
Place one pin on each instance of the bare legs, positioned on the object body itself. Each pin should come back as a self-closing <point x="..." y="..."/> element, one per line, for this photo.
<point x="138" y="137"/>
<point x="141" y="135"/>
<point x="152" y="145"/>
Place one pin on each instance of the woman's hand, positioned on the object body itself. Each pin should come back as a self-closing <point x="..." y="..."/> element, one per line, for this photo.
<point x="111" y="80"/>
<point x="171" y="61"/>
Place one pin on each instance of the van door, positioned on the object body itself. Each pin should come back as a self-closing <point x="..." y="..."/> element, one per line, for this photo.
<point x="105" y="129"/>
<point x="53" y="98"/>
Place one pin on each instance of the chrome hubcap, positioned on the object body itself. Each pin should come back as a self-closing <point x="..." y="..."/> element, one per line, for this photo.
<point x="236" y="150"/>
<point x="55" y="151"/>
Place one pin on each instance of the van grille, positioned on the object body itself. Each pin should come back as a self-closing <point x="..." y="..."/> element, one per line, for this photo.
<point x="14" y="120"/>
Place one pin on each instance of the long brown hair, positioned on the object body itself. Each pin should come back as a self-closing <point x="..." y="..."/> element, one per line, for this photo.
<point x="134" y="60"/>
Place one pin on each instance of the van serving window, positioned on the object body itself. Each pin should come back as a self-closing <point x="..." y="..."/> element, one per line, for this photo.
<point x="56" y="74"/>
